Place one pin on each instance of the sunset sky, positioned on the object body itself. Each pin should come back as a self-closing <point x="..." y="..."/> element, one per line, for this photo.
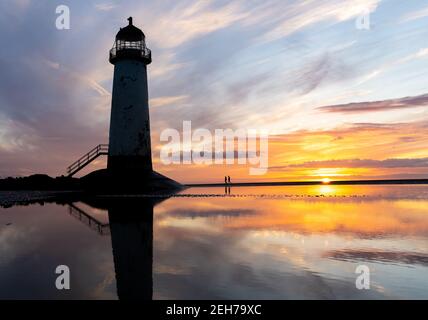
<point x="339" y="102"/>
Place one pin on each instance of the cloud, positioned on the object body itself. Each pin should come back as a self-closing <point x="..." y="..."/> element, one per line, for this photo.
<point x="375" y="106"/>
<point x="14" y="8"/>
<point x="353" y="151"/>
<point x="105" y="6"/>
<point x="420" y="54"/>
<point x="220" y="64"/>
<point x="364" y="163"/>
<point x="415" y="15"/>
<point x="165" y="101"/>
<point x="325" y="69"/>
<point x="48" y="106"/>
<point x="15" y="137"/>
<point x="186" y="21"/>
<point x="165" y="66"/>
<point x="300" y="15"/>
<point x="271" y="20"/>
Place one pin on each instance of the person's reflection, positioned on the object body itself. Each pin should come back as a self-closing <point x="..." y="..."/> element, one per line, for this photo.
<point x="227" y="190"/>
<point x="131" y="227"/>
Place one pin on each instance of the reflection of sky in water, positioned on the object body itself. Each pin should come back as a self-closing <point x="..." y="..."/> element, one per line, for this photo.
<point x="327" y="190"/>
<point x="39" y="239"/>
<point x="238" y="247"/>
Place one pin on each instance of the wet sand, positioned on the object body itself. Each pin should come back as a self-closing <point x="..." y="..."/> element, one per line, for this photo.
<point x="11" y="198"/>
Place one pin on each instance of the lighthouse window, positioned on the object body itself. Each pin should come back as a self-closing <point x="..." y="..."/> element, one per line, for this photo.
<point x="129" y="45"/>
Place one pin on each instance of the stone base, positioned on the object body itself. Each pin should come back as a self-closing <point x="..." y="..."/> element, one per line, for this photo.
<point x="131" y="163"/>
<point x="150" y="182"/>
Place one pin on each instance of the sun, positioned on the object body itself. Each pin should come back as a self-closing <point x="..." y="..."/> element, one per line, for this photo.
<point x="326" y="180"/>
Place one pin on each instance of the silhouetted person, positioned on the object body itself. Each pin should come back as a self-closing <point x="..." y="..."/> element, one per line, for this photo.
<point x="225" y="179"/>
<point x="228" y="179"/>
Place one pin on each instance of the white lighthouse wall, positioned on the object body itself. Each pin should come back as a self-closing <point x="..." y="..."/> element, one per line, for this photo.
<point x="129" y="124"/>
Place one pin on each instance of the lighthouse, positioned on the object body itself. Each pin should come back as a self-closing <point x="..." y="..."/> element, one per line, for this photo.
<point x="129" y="163"/>
<point x="129" y="136"/>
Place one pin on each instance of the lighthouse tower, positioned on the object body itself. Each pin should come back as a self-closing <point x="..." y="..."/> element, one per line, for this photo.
<point x="129" y="139"/>
<point x="129" y="163"/>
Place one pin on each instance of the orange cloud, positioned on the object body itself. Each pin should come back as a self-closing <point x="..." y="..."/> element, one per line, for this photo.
<point x="361" y="151"/>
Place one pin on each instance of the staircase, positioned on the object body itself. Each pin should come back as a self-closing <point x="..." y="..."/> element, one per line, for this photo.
<point x="101" y="149"/>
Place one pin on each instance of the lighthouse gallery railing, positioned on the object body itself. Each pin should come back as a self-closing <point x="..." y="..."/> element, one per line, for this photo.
<point x="141" y="51"/>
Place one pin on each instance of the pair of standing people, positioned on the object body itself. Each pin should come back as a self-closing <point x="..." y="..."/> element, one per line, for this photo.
<point x="226" y="179"/>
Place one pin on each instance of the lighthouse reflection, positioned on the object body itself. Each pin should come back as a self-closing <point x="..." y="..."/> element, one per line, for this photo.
<point x="131" y="230"/>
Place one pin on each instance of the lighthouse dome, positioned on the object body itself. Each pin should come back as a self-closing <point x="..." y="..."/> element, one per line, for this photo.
<point x="130" y="33"/>
<point x="130" y="43"/>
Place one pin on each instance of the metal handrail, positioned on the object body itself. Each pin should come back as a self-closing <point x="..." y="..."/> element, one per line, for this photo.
<point x="145" y="52"/>
<point x="102" y="228"/>
<point x="100" y="149"/>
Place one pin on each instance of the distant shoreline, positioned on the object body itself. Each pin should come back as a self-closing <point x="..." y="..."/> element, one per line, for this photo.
<point x="309" y="183"/>
<point x="28" y="196"/>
